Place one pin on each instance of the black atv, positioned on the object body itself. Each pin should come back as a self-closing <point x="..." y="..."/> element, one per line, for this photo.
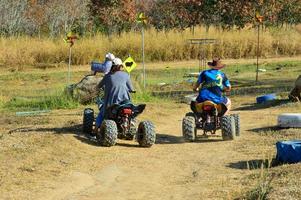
<point x="210" y="117"/>
<point x="120" y="122"/>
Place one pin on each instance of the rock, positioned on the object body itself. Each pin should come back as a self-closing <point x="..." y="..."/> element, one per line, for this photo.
<point x="85" y="91"/>
<point x="295" y="94"/>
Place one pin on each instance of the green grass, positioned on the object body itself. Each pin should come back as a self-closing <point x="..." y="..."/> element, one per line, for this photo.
<point x="145" y="97"/>
<point x="261" y="190"/>
<point x="59" y="101"/>
<point x="239" y="71"/>
<point x="40" y="89"/>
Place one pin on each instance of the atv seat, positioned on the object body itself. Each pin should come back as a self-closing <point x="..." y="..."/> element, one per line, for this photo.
<point x="113" y="110"/>
<point x="197" y="107"/>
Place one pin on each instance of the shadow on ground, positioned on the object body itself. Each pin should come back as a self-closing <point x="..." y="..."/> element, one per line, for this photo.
<point x="171" y="139"/>
<point x="254" y="164"/>
<point x="269" y="104"/>
<point x="71" y="129"/>
<point x="87" y="139"/>
<point x="76" y="129"/>
<point x="266" y="129"/>
<point x="168" y="139"/>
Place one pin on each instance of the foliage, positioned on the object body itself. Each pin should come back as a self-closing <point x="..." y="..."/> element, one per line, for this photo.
<point x="56" y="17"/>
<point x="33" y="16"/>
<point x="113" y="15"/>
<point x="12" y="21"/>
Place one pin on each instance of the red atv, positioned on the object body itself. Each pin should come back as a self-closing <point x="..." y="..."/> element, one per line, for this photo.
<point x="210" y="117"/>
<point x="119" y="122"/>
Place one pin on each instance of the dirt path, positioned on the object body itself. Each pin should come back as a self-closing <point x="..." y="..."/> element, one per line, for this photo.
<point x="46" y="162"/>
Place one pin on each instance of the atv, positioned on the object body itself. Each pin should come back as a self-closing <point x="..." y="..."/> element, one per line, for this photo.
<point x="120" y="122"/>
<point x="210" y="117"/>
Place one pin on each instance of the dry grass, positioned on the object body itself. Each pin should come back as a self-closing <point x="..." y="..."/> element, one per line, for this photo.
<point x="159" y="46"/>
<point x="34" y="167"/>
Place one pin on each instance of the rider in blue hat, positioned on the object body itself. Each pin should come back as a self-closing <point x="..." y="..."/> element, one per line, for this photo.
<point x="212" y="84"/>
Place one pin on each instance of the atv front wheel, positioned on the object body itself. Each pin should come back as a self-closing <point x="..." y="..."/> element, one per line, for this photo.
<point x="107" y="134"/>
<point x="228" y="127"/>
<point x="237" y="124"/>
<point x="88" y="120"/>
<point x="189" y="128"/>
<point x="146" y="135"/>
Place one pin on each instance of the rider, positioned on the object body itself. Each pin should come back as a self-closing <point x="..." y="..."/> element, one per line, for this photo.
<point x="104" y="67"/>
<point x="117" y="87"/>
<point x="213" y="83"/>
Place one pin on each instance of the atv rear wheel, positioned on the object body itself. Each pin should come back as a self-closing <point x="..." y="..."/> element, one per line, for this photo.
<point x="189" y="128"/>
<point x="146" y="135"/>
<point x="88" y="120"/>
<point x="237" y="124"/>
<point x="228" y="127"/>
<point x="191" y="114"/>
<point x="107" y="134"/>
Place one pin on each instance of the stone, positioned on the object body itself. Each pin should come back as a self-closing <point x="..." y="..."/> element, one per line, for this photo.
<point x="85" y="91"/>
<point x="295" y="94"/>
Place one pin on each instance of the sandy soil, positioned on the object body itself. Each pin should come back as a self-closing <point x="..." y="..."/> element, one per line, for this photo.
<point x="46" y="157"/>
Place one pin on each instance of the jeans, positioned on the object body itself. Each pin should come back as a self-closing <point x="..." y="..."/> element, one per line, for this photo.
<point x="100" y="117"/>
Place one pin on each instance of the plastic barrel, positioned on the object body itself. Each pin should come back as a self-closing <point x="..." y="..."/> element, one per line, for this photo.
<point x="264" y="98"/>
<point x="289" y="120"/>
<point x="289" y="151"/>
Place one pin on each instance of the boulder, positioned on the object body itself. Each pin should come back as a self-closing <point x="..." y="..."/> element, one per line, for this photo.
<point x="295" y="94"/>
<point x="85" y="91"/>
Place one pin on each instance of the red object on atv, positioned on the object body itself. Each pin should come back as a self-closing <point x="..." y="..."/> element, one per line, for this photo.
<point x="127" y="111"/>
<point x="207" y="107"/>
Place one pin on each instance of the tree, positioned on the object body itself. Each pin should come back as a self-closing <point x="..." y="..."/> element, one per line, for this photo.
<point x="36" y="15"/>
<point x="290" y="12"/>
<point x="12" y="20"/>
<point x="64" y="17"/>
<point x="113" y="15"/>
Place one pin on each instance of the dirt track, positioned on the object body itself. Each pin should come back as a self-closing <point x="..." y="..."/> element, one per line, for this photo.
<point x="48" y="159"/>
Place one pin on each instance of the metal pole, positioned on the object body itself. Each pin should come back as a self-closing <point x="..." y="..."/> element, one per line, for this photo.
<point x="200" y="58"/>
<point x="144" y="77"/>
<point x="69" y="66"/>
<point x="257" y="53"/>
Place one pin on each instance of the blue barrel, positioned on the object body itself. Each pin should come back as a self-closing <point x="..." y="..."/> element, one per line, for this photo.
<point x="264" y="98"/>
<point x="289" y="151"/>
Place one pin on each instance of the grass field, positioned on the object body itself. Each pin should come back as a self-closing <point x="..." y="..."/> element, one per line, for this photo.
<point x="44" y="89"/>
<point x="47" y="156"/>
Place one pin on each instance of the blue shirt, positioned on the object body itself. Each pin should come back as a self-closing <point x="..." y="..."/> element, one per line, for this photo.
<point x="213" y="82"/>
<point x="101" y="67"/>
<point x="117" y="88"/>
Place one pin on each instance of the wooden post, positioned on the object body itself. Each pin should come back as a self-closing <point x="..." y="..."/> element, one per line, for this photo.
<point x="143" y="64"/>
<point x="257" y="52"/>
<point x="69" y="65"/>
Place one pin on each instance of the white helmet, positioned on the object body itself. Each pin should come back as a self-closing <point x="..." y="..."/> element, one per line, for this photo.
<point x="117" y="61"/>
<point x="110" y="56"/>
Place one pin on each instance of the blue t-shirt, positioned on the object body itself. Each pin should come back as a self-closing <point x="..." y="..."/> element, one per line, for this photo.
<point x="213" y="81"/>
